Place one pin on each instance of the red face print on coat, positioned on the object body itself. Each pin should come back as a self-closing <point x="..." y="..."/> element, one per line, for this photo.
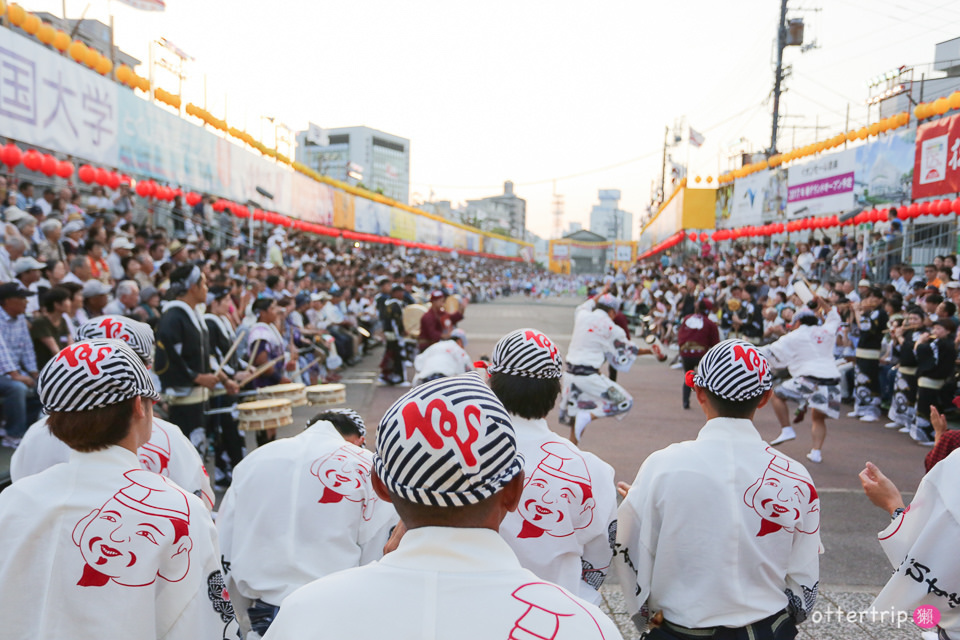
<point x="558" y="496"/>
<point x="155" y="454"/>
<point x="83" y="354"/>
<point x="441" y="427"/>
<point x="344" y="475"/>
<point x="550" y="614"/>
<point x="784" y="499"/>
<point x="139" y="534"/>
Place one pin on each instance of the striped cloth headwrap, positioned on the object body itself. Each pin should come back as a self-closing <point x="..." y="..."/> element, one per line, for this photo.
<point x="447" y="443"/>
<point x="93" y="374"/>
<point x="352" y="415"/>
<point x="734" y="370"/>
<point x="137" y="334"/>
<point x="528" y="353"/>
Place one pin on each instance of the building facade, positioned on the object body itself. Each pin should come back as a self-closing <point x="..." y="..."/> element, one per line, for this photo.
<point x="378" y="160"/>
<point x="608" y="219"/>
<point x="506" y="212"/>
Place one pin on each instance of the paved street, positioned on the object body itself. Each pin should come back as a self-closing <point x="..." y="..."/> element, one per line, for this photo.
<point x="852" y="567"/>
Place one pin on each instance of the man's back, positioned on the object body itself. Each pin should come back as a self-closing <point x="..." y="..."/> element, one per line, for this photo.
<point x="298" y="509"/>
<point x="749" y="516"/>
<point x="567" y="519"/>
<point x="442" y="582"/>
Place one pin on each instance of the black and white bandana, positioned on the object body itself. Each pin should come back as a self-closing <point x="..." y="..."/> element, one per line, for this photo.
<point x="354" y="417"/>
<point x="734" y="370"/>
<point x="447" y="443"/>
<point x="91" y="374"/>
<point x="528" y="353"/>
<point x="137" y="334"/>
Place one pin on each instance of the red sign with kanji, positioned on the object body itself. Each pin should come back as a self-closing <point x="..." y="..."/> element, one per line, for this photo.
<point x="937" y="166"/>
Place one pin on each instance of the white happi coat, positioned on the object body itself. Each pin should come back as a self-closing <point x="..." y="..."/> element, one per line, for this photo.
<point x="100" y="548"/>
<point x="169" y="453"/>
<point x="596" y="339"/>
<point x="749" y="514"/>
<point x="808" y="350"/>
<point x="566" y="524"/>
<point x="921" y="544"/>
<point x="445" y="357"/>
<point x="442" y="583"/>
<point x="298" y="509"/>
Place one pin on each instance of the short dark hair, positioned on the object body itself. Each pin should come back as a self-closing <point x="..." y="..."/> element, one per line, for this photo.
<point x="732" y="408"/>
<point x="53" y="296"/>
<point x="934" y="298"/>
<point x="93" y="429"/>
<point x="530" y="398"/>
<point x="423" y="515"/>
<point x="949" y="307"/>
<point x="342" y="423"/>
<point x="262" y="304"/>
<point x="271" y="281"/>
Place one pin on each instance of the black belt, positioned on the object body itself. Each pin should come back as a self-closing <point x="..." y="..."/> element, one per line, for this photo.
<point x="759" y="629"/>
<point x="581" y="369"/>
<point x="827" y="382"/>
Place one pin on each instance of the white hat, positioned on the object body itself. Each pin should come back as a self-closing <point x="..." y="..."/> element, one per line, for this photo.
<point x="93" y="288"/>
<point x="26" y="263"/>
<point x="122" y="242"/>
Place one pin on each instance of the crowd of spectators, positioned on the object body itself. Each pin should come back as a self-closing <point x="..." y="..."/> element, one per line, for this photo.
<point x="67" y="257"/>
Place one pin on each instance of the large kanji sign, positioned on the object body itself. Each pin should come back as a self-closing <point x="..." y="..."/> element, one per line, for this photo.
<point x="937" y="168"/>
<point x="50" y="101"/>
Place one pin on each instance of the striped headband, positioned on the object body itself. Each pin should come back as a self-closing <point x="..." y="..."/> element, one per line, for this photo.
<point x="734" y="370"/>
<point x="447" y="443"/>
<point x="350" y="414"/>
<point x="137" y="334"/>
<point x="527" y="353"/>
<point x="93" y="374"/>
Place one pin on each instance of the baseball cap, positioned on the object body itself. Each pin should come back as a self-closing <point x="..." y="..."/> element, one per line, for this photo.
<point x="13" y="290"/>
<point x="93" y="288"/>
<point x="437" y="294"/>
<point x="610" y="301"/>
<point x="72" y="227"/>
<point x="734" y="370"/>
<point x="26" y="263"/>
<point x="527" y="353"/>
<point x="447" y="443"/>
<point x="863" y="283"/>
<point x="121" y="242"/>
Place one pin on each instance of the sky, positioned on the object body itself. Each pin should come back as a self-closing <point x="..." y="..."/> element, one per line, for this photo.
<point x="559" y="97"/>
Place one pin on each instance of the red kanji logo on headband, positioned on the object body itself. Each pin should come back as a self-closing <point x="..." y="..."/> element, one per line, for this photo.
<point x="114" y="330"/>
<point x="751" y="359"/>
<point x="83" y="352"/>
<point x="438" y="422"/>
<point x="542" y="342"/>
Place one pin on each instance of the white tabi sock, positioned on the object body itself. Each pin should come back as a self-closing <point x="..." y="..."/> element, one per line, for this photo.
<point x="582" y="420"/>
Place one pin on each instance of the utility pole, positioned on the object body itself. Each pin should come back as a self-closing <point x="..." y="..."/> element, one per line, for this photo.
<point x="781" y="45"/>
<point x="663" y="175"/>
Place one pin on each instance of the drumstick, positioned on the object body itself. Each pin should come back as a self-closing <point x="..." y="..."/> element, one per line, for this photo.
<point x="261" y="370"/>
<point x="293" y="376"/>
<point x="233" y="347"/>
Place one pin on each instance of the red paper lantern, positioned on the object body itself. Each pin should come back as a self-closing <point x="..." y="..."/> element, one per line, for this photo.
<point x="193" y="199"/>
<point x="100" y="176"/>
<point x="85" y="172"/>
<point x="943" y="207"/>
<point x="113" y="179"/>
<point x="142" y="189"/>
<point x="955" y="206"/>
<point x="924" y="208"/>
<point x="65" y="169"/>
<point x="704" y="236"/>
<point x="48" y="165"/>
<point x="32" y="160"/>
<point x="11" y="155"/>
<point x="693" y="236"/>
<point x="152" y="188"/>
